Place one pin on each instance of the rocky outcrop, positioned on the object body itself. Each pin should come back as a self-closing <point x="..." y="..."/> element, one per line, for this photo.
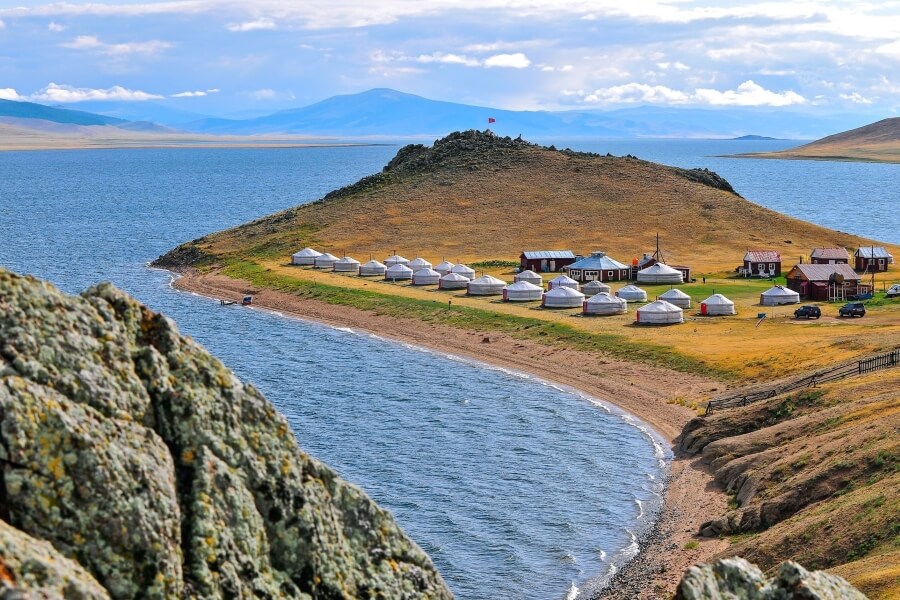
<point x="151" y="471"/>
<point x="735" y="578"/>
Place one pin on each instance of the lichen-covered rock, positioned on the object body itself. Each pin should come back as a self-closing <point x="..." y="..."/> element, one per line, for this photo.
<point x="737" y="579"/>
<point x="138" y="454"/>
<point x="31" y="568"/>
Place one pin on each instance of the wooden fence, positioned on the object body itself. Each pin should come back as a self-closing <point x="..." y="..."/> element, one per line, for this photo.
<point x="860" y="367"/>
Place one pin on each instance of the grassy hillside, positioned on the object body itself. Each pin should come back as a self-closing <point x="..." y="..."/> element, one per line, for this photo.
<point x="813" y="477"/>
<point x="31" y="110"/>
<point x="477" y="197"/>
<point x="877" y="142"/>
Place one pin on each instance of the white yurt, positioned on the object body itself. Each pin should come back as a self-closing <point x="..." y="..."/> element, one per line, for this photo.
<point x="522" y="291"/>
<point x="395" y="259"/>
<point x="465" y="271"/>
<point x="592" y="288"/>
<point x="531" y="277"/>
<point x="562" y="281"/>
<point x="778" y="295"/>
<point x="659" y="312"/>
<point x="307" y="256"/>
<point x="453" y="281"/>
<point x="603" y="303"/>
<point x="632" y="293"/>
<point x="398" y="272"/>
<point x="485" y="286"/>
<point x="444" y="267"/>
<point x="346" y="265"/>
<point x="373" y="268"/>
<point x="417" y="264"/>
<point x="426" y="277"/>
<point x="325" y="261"/>
<point x="676" y="297"/>
<point x="717" y="304"/>
<point x="562" y="297"/>
<point x="659" y="273"/>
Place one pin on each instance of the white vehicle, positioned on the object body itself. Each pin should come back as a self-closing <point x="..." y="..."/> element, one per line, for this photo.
<point x="894" y="291"/>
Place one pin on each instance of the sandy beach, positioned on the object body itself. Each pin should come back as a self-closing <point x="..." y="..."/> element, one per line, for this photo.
<point x="642" y="390"/>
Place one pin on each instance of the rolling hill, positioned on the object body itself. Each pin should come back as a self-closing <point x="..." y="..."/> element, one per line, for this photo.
<point x="876" y="142"/>
<point x="31" y="110"/>
<point x="476" y="196"/>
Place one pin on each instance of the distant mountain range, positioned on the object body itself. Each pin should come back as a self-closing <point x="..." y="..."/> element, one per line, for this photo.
<point x="389" y="113"/>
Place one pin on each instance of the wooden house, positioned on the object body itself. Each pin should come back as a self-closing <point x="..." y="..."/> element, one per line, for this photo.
<point x="546" y="261"/>
<point x="829" y="256"/>
<point x="872" y="259"/>
<point x="598" y="267"/>
<point x="761" y="263"/>
<point x="824" y="282"/>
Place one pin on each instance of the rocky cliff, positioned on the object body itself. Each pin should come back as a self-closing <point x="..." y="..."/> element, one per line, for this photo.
<point x="136" y="465"/>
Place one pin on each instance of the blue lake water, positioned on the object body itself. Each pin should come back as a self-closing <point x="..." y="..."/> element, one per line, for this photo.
<point x="514" y="487"/>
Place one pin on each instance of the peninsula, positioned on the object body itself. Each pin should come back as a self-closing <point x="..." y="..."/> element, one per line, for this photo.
<point x="876" y="142"/>
<point x="481" y="199"/>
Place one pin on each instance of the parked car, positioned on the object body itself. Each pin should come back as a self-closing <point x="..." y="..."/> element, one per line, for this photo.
<point x="810" y="311"/>
<point x="894" y="291"/>
<point x="852" y="309"/>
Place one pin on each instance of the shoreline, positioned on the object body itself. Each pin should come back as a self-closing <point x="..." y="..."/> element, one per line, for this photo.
<point x="822" y="158"/>
<point x="641" y="391"/>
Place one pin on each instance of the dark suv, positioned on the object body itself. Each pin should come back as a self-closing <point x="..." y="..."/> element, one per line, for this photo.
<point x="853" y="309"/>
<point x="810" y="311"/>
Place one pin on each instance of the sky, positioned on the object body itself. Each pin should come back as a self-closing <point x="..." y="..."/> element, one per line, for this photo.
<point x="228" y="56"/>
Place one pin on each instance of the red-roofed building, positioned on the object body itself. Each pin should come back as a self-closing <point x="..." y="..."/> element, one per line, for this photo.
<point x="824" y="282"/>
<point x="761" y="263"/>
<point x="829" y="256"/>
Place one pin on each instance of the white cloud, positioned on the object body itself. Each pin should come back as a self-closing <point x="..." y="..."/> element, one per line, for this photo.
<point x="631" y="93"/>
<point x="450" y="59"/>
<point x="66" y="93"/>
<point x="891" y="50"/>
<point x="9" y="94"/>
<point x="509" y="61"/>
<point x="264" y="94"/>
<point x="855" y="98"/>
<point x="55" y="27"/>
<point x="213" y="91"/>
<point x="678" y="66"/>
<point x="195" y="94"/>
<point x="254" y="25"/>
<point x="748" y="93"/>
<point x="2" y="24"/>
<point x="90" y="42"/>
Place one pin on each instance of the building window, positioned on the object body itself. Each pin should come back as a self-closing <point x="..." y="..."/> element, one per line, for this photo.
<point x="771" y="266"/>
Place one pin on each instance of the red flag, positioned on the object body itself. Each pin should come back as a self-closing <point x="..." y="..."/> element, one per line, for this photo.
<point x="492" y="120"/>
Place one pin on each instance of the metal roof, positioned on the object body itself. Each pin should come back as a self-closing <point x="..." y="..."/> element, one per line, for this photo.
<point x="873" y="252"/>
<point x="597" y="261"/>
<point x="824" y="272"/>
<point x="538" y="254"/>
<point x="830" y="253"/>
<point x="758" y="256"/>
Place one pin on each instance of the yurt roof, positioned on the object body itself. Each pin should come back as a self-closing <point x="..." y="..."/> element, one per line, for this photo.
<point x="445" y="264"/>
<point x="779" y="290"/>
<point x="374" y="264"/>
<point x="523" y="286"/>
<point x="631" y="289"/>
<point x="328" y="256"/>
<point x="564" y="292"/>
<point x="427" y="273"/>
<point x="399" y="269"/>
<point x="605" y="298"/>
<point x="418" y="261"/>
<point x="528" y="273"/>
<point x="488" y="280"/>
<point x="348" y="260"/>
<point x="659" y="306"/>
<point x="718" y="299"/>
<point x="396" y="257"/>
<point x="461" y="268"/>
<point x="454" y="277"/>
<point x="596" y="284"/>
<point x="562" y="279"/>
<point x="673" y="293"/>
<point x="307" y="253"/>
<point x="659" y="269"/>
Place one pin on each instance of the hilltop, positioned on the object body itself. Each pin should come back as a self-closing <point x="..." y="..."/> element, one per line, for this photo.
<point x="477" y="196"/>
<point x="876" y="142"/>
